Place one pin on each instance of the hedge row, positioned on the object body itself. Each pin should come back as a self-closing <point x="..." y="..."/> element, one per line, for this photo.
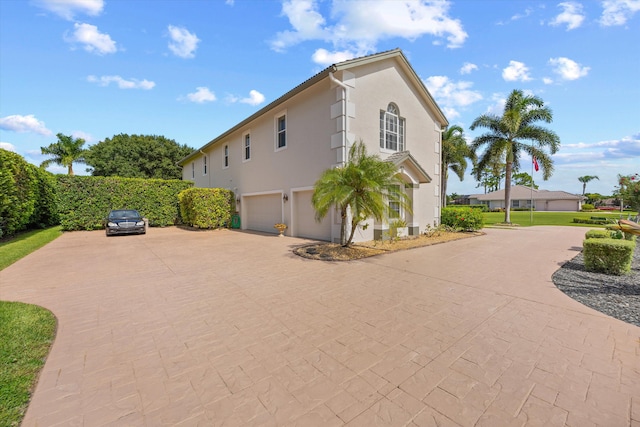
<point x="27" y="195"/>
<point x="84" y="201"/>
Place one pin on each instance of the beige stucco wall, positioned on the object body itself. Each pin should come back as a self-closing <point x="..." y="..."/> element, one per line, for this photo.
<point x="378" y="84"/>
<point x="313" y="118"/>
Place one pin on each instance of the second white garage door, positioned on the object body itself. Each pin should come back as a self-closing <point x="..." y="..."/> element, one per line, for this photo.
<point x="305" y="223"/>
<point x="262" y="212"/>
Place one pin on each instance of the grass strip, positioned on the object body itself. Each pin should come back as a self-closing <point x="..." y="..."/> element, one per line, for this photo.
<point x="26" y="334"/>
<point x="13" y="249"/>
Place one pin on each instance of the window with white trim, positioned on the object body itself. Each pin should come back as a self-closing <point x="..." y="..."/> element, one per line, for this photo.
<point x="394" y="206"/>
<point x="391" y="129"/>
<point x="204" y="165"/>
<point x="226" y="156"/>
<point x="281" y="132"/>
<point x="246" y="150"/>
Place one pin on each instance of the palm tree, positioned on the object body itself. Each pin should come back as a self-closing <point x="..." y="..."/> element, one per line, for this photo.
<point x="66" y="151"/>
<point x="508" y="136"/>
<point x="363" y="187"/>
<point x="585" y="179"/>
<point x="455" y="153"/>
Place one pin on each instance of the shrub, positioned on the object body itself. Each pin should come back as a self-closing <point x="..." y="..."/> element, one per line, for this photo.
<point x="587" y="207"/>
<point x="608" y="256"/>
<point x="206" y="207"/>
<point x="84" y="201"/>
<point x="27" y="195"/>
<point x="462" y="219"/>
<point x="598" y="234"/>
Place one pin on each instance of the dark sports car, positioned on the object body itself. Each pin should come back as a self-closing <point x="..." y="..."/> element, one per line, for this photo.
<point x="125" y="221"/>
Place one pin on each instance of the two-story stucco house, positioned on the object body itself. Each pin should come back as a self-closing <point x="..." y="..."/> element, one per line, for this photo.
<point x="272" y="159"/>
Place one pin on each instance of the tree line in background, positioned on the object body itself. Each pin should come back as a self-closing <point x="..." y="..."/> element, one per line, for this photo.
<point x="127" y="156"/>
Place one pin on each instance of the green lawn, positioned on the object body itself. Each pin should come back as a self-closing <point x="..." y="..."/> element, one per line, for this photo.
<point x="23" y="244"/>
<point x="523" y="218"/>
<point x="26" y="333"/>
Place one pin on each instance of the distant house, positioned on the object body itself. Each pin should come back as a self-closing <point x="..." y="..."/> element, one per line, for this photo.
<point x="272" y="159"/>
<point x="522" y="197"/>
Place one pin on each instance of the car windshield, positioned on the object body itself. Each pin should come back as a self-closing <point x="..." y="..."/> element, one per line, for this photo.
<point x="124" y="214"/>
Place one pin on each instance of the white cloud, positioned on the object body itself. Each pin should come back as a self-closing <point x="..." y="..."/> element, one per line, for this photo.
<point x="568" y="69"/>
<point x="468" y="67"/>
<point x="93" y="40"/>
<point x="255" y="98"/>
<point x="183" y="43"/>
<point x="547" y="80"/>
<point x="617" y="12"/>
<point x="516" y="71"/>
<point x="8" y="146"/>
<point x="572" y="15"/>
<point x="122" y="83"/>
<point x="29" y="123"/>
<point x="67" y="9"/>
<point x="359" y="28"/>
<point x="325" y="58"/>
<point x="201" y="95"/>
<point x="80" y="134"/>
<point x="452" y="95"/>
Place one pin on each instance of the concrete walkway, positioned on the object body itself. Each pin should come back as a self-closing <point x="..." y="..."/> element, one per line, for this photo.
<point x="183" y="328"/>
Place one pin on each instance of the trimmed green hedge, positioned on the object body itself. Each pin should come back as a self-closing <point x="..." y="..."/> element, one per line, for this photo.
<point x="84" y="201"/>
<point x="590" y="221"/>
<point x="598" y="234"/>
<point x="610" y="256"/>
<point x="27" y="195"/>
<point x="464" y="219"/>
<point x="207" y="207"/>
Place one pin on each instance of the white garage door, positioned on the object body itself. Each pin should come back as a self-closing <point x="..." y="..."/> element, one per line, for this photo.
<point x="305" y="222"/>
<point x="262" y="212"/>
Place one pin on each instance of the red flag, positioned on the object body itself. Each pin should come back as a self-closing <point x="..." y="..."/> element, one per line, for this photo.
<point x="535" y="164"/>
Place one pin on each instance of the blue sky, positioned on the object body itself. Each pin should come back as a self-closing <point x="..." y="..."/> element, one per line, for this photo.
<point x="189" y="70"/>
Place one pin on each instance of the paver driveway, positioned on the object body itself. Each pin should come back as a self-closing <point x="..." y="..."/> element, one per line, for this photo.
<point x="229" y="328"/>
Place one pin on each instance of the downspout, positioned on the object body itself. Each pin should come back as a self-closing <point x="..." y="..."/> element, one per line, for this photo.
<point x="345" y="92"/>
<point x="345" y="122"/>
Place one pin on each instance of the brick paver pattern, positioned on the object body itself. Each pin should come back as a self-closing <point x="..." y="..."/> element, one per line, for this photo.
<point x="184" y="328"/>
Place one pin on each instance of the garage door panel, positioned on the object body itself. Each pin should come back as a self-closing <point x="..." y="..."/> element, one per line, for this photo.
<point x="306" y="224"/>
<point x="262" y="212"/>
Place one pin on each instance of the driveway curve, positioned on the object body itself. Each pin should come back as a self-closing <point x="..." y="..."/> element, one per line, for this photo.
<point x="187" y="328"/>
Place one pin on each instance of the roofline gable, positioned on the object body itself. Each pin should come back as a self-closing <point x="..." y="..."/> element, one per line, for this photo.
<point x="324" y="74"/>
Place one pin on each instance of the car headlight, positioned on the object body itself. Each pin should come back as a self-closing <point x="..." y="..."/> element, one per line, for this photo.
<point x="140" y="223"/>
<point x="112" y="224"/>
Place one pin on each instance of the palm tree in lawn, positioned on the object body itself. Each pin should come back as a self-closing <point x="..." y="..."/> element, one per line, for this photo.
<point x="66" y="151"/>
<point x="455" y="153"/>
<point x="514" y="133"/>
<point x="363" y="187"/>
<point x="585" y="179"/>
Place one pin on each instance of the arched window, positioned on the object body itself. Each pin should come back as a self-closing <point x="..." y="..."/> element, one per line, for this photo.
<point x="391" y="129"/>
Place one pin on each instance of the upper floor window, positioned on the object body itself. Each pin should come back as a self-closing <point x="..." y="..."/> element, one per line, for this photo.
<point x="204" y="165"/>
<point x="391" y="129"/>
<point x="281" y="131"/>
<point x="193" y="170"/>
<point x="226" y="156"/>
<point x="247" y="147"/>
